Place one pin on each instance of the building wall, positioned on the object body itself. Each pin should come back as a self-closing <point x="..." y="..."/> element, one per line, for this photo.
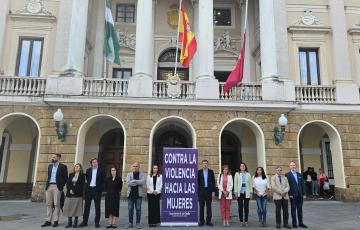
<point x="207" y="124"/>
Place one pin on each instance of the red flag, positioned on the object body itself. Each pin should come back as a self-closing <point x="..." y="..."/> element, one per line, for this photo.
<point x="187" y="39"/>
<point x="236" y="75"/>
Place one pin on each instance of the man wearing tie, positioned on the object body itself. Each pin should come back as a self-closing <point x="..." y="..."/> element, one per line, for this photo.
<point x="93" y="189"/>
<point x="206" y="184"/>
<point x="296" y="195"/>
<point x="280" y="187"/>
<point x="57" y="177"/>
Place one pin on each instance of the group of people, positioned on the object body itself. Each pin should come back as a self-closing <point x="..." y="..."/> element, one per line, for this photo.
<point x="317" y="185"/>
<point x="284" y="188"/>
<point x="89" y="186"/>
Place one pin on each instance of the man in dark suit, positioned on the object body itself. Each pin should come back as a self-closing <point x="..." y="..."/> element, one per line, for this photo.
<point x="94" y="186"/>
<point x="296" y="194"/>
<point x="57" y="177"/>
<point x="206" y="185"/>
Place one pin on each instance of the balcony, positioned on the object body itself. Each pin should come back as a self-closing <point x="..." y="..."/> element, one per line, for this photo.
<point x="315" y="94"/>
<point x="36" y="87"/>
<point x="22" y="86"/>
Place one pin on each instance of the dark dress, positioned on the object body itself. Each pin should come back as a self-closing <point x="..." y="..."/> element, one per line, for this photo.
<point x="112" y="198"/>
<point x="154" y="205"/>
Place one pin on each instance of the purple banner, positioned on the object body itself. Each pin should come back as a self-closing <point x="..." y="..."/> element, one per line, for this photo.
<point x="179" y="206"/>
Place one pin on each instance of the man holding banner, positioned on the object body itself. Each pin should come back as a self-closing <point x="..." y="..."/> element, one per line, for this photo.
<point x="206" y="185"/>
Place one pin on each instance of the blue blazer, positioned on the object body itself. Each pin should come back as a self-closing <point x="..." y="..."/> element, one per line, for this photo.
<point x="296" y="189"/>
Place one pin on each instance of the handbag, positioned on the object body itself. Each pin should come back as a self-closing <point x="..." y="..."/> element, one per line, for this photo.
<point x="326" y="185"/>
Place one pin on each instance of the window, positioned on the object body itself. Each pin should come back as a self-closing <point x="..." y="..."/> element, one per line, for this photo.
<point x="309" y="66"/>
<point x="29" y="57"/>
<point x="125" y="13"/>
<point x="166" y="66"/>
<point x="122" y="73"/>
<point x="222" y="17"/>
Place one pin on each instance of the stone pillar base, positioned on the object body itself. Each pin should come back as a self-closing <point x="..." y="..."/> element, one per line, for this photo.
<point x="140" y="86"/>
<point x="274" y="89"/>
<point x="67" y="83"/>
<point x="207" y="89"/>
<point x="347" y="93"/>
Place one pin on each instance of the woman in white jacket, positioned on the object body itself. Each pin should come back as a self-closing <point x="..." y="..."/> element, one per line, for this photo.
<point x="154" y="186"/>
<point x="225" y="185"/>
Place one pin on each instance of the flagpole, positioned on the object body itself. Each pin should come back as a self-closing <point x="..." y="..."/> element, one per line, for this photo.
<point x="177" y="38"/>
<point x="246" y="14"/>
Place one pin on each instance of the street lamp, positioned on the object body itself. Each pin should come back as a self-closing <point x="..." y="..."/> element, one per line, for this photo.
<point x="279" y="133"/>
<point x="61" y="129"/>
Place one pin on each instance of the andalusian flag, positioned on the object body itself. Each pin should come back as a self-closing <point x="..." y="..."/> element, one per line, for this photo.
<point x="111" y="43"/>
<point x="187" y="39"/>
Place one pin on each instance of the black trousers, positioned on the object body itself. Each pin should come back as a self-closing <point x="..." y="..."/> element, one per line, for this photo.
<point x="243" y="204"/>
<point x="296" y="207"/>
<point x="205" y="197"/>
<point x="92" y="194"/>
<point x="281" y="204"/>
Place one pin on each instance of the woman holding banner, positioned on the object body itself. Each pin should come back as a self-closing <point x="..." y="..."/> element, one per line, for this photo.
<point x="225" y="186"/>
<point x="154" y="186"/>
<point x="242" y="189"/>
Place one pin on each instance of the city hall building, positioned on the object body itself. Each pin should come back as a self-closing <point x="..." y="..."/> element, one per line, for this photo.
<point x="302" y="60"/>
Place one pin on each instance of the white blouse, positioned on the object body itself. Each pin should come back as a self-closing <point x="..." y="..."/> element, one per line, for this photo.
<point x="261" y="185"/>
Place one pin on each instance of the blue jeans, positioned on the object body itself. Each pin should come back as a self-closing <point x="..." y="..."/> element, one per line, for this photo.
<point x="137" y="202"/>
<point x="261" y="207"/>
<point x="314" y="187"/>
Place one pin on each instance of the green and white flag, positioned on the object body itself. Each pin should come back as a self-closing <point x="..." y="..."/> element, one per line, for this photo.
<point x="111" y="44"/>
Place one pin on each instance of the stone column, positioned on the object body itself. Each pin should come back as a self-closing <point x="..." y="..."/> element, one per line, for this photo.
<point x="248" y="64"/>
<point x="140" y="85"/>
<point x="3" y="15"/>
<point x="207" y="87"/>
<point x="346" y="89"/>
<point x="276" y="82"/>
<point x="68" y="69"/>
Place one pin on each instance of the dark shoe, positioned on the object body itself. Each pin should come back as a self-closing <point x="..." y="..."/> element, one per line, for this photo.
<point x="55" y="224"/>
<point x="83" y="224"/>
<point x="75" y="222"/>
<point x="46" y="224"/>
<point x="303" y="226"/>
<point x="295" y="226"/>
<point x="114" y="226"/>
<point x="97" y="225"/>
<point x="278" y="226"/>
<point x="287" y="226"/>
<point x="109" y="226"/>
<point x="69" y="225"/>
<point x="209" y="224"/>
<point x="201" y="223"/>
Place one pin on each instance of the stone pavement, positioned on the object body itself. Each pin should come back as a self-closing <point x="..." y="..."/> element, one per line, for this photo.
<point x="317" y="215"/>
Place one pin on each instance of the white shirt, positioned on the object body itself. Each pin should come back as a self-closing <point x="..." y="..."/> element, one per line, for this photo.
<point x="261" y="184"/>
<point x="93" y="177"/>
<point x="53" y="173"/>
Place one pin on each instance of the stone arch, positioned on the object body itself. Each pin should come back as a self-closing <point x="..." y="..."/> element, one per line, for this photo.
<point x="7" y="119"/>
<point x="259" y="137"/>
<point x="336" y="150"/>
<point x="168" y="120"/>
<point x="85" y="127"/>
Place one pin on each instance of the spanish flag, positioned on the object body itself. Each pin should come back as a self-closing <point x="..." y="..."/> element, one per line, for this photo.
<point x="187" y="39"/>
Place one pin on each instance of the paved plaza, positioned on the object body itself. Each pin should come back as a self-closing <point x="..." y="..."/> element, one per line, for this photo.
<point x="317" y="215"/>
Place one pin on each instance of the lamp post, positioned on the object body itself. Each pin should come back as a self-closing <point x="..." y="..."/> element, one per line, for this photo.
<point x="279" y="133"/>
<point x="61" y="129"/>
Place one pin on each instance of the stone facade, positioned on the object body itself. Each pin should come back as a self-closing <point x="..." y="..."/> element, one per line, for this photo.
<point x="207" y="124"/>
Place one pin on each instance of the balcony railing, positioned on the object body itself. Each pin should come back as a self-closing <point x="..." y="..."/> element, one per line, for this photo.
<point x="315" y="94"/>
<point x="105" y="87"/>
<point x="243" y="92"/>
<point x="22" y="86"/>
<point x="161" y="90"/>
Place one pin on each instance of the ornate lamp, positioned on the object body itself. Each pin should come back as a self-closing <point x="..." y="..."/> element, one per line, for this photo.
<point x="279" y="133"/>
<point x="61" y="129"/>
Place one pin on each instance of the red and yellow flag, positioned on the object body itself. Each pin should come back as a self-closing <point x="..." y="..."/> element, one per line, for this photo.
<point x="187" y="39"/>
